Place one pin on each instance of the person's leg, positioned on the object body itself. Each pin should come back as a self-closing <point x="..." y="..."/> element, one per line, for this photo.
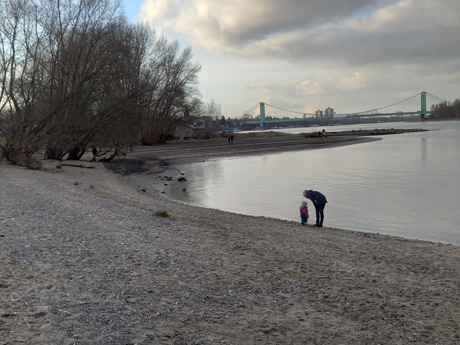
<point x="303" y="219"/>
<point x="317" y="214"/>
<point x="321" y="213"/>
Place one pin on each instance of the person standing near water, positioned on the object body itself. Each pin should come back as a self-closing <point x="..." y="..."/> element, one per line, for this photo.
<point x="304" y="213"/>
<point x="319" y="201"/>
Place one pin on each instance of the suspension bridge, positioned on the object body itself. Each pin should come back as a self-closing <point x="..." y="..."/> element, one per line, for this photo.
<point x="257" y="115"/>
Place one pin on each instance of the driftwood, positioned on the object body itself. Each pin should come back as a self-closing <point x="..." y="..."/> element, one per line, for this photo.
<point x="78" y="304"/>
<point x="78" y="166"/>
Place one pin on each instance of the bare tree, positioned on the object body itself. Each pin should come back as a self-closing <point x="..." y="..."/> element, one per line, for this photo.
<point x="74" y="71"/>
<point x="87" y="65"/>
<point x="446" y="110"/>
<point x="211" y="118"/>
<point x="20" y="98"/>
<point x="172" y="91"/>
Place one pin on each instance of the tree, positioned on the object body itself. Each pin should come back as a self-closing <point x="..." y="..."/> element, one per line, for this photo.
<point x="21" y="100"/>
<point x="211" y="118"/>
<point x="446" y="110"/>
<point x="75" y="71"/>
<point x="87" y="62"/>
<point x="172" y="91"/>
<point x="61" y="63"/>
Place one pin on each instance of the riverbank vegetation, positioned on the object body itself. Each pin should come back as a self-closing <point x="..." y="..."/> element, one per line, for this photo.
<point x="74" y="74"/>
<point x="446" y="110"/>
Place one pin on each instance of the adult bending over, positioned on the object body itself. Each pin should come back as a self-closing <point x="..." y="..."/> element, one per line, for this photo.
<point x="319" y="201"/>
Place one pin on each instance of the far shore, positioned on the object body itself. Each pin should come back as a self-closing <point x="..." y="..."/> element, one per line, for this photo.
<point x="164" y="156"/>
<point x="89" y="256"/>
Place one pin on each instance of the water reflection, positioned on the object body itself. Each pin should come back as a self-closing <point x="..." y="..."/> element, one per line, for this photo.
<point x="423" y="149"/>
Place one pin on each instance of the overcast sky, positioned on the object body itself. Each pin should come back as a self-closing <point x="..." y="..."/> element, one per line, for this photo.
<point x="304" y="55"/>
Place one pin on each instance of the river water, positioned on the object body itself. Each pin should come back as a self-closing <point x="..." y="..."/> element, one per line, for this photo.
<point x="405" y="185"/>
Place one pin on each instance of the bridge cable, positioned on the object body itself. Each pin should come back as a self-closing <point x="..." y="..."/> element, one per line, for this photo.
<point x="290" y="111"/>
<point x="368" y="111"/>
<point x="247" y="111"/>
<point x="437" y="98"/>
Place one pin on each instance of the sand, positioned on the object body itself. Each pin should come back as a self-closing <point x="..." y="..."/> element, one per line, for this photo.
<point x="91" y="263"/>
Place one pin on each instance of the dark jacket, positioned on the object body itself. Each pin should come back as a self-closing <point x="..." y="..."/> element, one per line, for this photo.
<point x="316" y="197"/>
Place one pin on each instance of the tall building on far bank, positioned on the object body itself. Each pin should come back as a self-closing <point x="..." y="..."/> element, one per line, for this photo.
<point x="329" y="112"/>
<point x="319" y="113"/>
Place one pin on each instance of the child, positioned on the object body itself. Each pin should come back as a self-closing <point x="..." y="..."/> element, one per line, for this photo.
<point x="304" y="212"/>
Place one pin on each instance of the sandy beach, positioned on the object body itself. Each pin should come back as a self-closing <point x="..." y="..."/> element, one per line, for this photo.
<point x="84" y="259"/>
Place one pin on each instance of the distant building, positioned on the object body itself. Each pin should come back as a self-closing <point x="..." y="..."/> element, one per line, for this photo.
<point x="319" y="113"/>
<point x="329" y="112"/>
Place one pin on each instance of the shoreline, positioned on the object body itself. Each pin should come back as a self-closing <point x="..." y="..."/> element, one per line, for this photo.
<point x="159" y="158"/>
<point x="159" y="165"/>
<point x="196" y="150"/>
<point x="163" y="159"/>
<point x="91" y="263"/>
<point x="150" y="169"/>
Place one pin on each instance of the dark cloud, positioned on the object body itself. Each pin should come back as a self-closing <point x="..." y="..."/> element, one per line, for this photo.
<point x="357" y="47"/>
<point x="262" y="19"/>
<point x="353" y="31"/>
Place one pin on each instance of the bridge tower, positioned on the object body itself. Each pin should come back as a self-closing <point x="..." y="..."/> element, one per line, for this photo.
<point x="262" y="114"/>
<point x="423" y="105"/>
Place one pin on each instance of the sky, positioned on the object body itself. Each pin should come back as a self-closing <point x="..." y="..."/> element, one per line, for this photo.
<point x="305" y="55"/>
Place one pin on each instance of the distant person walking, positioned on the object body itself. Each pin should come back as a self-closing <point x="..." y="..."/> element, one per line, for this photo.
<point x="94" y="153"/>
<point x="304" y="213"/>
<point x="319" y="201"/>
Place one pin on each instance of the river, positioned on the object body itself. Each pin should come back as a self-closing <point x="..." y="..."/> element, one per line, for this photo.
<point x="405" y="185"/>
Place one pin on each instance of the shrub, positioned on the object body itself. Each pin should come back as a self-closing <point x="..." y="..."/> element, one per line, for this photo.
<point x="163" y="214"/>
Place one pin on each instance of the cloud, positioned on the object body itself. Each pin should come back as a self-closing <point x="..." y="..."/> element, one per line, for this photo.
<point x="354" y="82"/>
<point x="305" y="55"/>
<point x="354" y="90"/>
<point x="355" y="32"/>
<point x="246" y="21"/>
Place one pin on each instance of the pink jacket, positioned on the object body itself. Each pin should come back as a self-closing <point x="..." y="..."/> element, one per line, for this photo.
<point x="304" y="210"/>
